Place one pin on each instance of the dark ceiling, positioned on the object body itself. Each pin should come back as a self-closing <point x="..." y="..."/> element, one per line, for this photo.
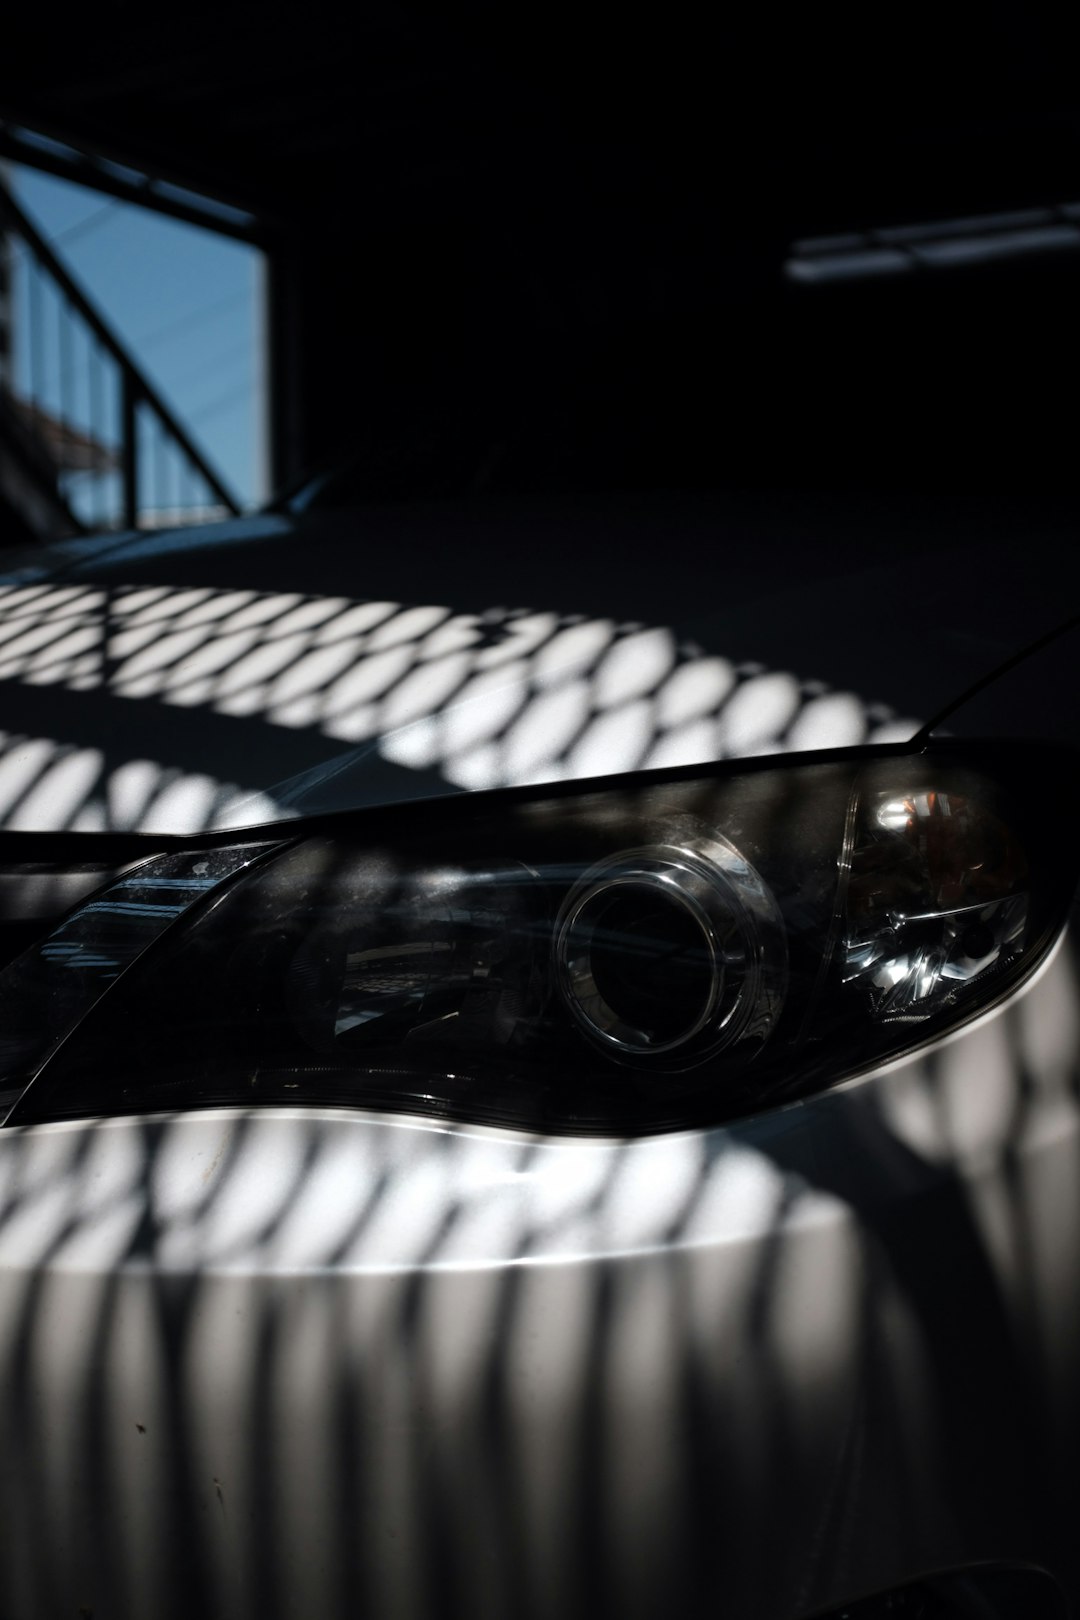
<point x="531" y="214"/>
<point x="755" y="122"/>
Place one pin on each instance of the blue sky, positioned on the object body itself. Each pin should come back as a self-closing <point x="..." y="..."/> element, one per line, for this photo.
<point x="187" y="302"/>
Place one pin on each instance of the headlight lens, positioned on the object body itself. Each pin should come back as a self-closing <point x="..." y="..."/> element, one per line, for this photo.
<point x="676" y="949"/>
<point x="668" y="954"/>
<point x="47" y="991"/>
<point x="938" y="897"/>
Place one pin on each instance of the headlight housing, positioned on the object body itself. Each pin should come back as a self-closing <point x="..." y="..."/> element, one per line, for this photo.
<point x="669" y="949"/>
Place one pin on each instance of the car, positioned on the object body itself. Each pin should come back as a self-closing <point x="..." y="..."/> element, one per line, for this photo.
<point x="540" y="1051"/>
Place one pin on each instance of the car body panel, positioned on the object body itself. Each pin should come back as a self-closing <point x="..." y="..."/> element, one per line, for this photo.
<point x="272" y="1363"/>
<point x="329" y="659"/>
<point x="316" y="1362"/>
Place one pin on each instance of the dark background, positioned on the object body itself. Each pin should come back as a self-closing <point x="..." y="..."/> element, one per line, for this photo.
<point x="539" y="244"/>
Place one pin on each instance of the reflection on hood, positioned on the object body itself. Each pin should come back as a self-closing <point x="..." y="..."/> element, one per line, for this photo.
<point x="216" y="707"/>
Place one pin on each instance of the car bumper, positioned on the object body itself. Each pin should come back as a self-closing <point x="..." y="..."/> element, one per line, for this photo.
<point x="313" y="1363"/>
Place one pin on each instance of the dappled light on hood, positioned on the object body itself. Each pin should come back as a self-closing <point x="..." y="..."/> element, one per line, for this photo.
<point x="450" y="700"/>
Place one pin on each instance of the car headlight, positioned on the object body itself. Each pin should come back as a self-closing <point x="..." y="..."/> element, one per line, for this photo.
<point x="673" y="948"/>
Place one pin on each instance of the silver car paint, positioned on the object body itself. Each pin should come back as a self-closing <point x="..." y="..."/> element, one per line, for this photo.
<point x="237" y="674"/>
<point x="320" y="1364"/>
<point x="395" y="699"/>
<point x="298" y="1364"/>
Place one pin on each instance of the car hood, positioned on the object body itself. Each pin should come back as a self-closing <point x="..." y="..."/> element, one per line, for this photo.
<point x="295" y="663"/>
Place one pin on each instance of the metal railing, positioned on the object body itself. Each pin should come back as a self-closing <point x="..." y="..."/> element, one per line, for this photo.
<point x="76" y="408"/>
